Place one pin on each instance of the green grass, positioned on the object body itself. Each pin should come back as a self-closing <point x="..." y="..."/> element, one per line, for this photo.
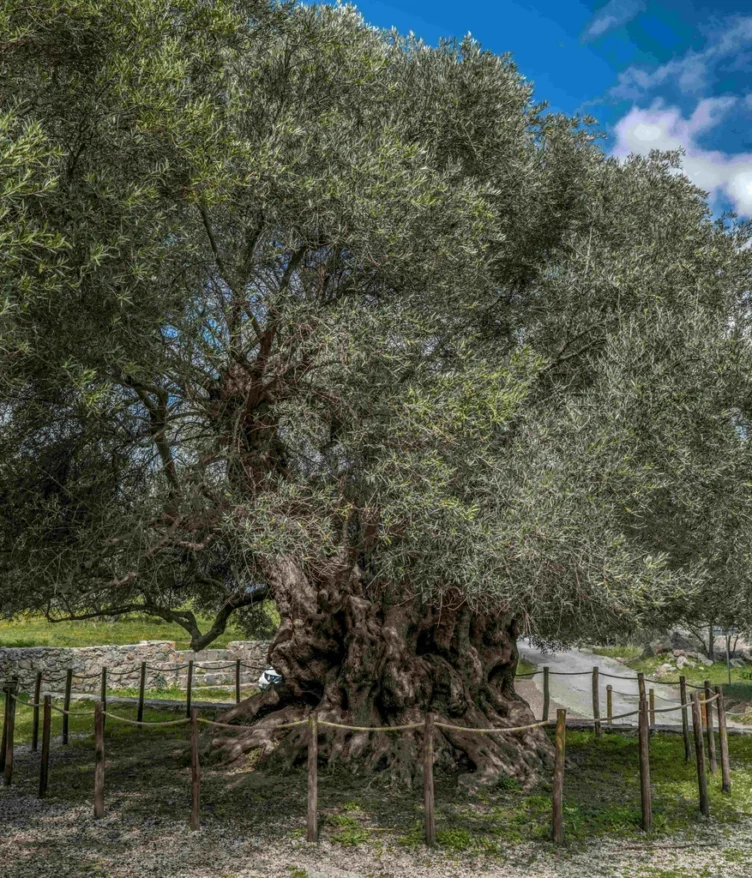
<point x="37" y="631"/>
<point x="524" y="667"/>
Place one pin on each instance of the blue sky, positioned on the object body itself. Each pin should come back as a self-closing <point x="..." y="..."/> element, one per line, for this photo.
<point x="654" y="74"/>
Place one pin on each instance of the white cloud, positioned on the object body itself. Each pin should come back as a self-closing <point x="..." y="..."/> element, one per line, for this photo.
<point x="664" y="128"/>
<point x="615" y="14"/>
<point x="691" y="72"/>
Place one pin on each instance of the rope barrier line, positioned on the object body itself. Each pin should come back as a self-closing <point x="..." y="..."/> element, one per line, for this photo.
<point x="323" y="722"/>
<point x="87" y="676"/>
<point x="487" y="731"/>
<point x="169" y="668"/>
<point x="135" y="722"/>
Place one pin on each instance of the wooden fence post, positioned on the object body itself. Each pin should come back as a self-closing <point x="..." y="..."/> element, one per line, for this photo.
<point x="596" y="703"/>
<point x="35" y="714"/>
<point x="685" y="718"/>
<point x="313" y="779"/>
<point x="711" y="736"/>
<point x="702" y="781"/>
<point x="188" y="688"/>
<point x="723" y="739"/>
<point x="641" y="686"/>
<point x="141" y="691"/>
<point x="195" y="772"/>
<point x="428" y="794"/>
<point x="44" y="767"/>
<point x="8" y="769"/>
<point x="4" y="742"/>
<point x="651" y="697"/>
<point x="546" y="694"/>
<point x="644" y="739"/>
<point x="237" y="681"/>
<point x="103" y="696"/>
<point x="609" y="704"/>
<point x="66" y="703"/>
<point x="99" y="760"/>
<point x="558" y="792"/>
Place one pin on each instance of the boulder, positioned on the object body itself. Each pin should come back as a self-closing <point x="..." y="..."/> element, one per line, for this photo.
<point x="664" y="670"/>
<point x="704" y="660"/>
<point x="654" y="648"/>
<point x="681" y="641"/>
<point x="682" y="661"/>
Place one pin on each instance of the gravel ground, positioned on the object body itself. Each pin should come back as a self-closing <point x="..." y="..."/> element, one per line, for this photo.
<point x="144" y="833"/>
<point x="40" y="840"/>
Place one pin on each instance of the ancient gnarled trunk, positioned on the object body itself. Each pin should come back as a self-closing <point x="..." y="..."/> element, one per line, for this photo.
<point x="368" y="658"/>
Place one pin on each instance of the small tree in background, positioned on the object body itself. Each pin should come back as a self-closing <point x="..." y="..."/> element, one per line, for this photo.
<point x="302" y="310"/>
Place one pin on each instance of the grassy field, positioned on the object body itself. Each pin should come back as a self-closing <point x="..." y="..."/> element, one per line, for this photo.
<point x="148" y="802"/>
<point x="37" y="631"/>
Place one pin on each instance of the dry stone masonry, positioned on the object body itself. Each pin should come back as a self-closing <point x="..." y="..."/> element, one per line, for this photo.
<point x="161" y="656"/>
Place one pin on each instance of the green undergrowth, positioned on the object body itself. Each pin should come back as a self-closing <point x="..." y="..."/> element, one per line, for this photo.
<point x="148" y="778"/>
<point x="524" y="667"/>
<point x="37" y="631"/>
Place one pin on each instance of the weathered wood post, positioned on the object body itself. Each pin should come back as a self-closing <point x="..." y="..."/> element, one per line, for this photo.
<point x="66" y="703"/>
<point x="44" y="766"/>
<point x="711" y="736"/>
<point x="428" y="794"/>
<point x="195" y="772"/>
<point x="558" y="791"/>
<point x="103" y="696"/>
<point x="6" y="709"/>
<point x="596" y="703"/>
<point x="702" y="780"/>
<point x="35" y="714"/>
<point x="11" y="696"/>
<point x="609" y="704"/>
<point x="644" y="739"/>
<point x="685" y="718"/>
<point x="99" y="760"/>
<point x="651" y="695"/>
<point x="546" y="693"/>
<point x="723" y="740"/>
<point x="188" y="689"/>
<point x="141" y="691"/>
<point x="237" y="681"/>
<point x="313" y="785"/>
<point x="641" y="686"/>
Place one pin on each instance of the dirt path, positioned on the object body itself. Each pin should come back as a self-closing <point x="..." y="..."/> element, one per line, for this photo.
<point x="571" y="683"/>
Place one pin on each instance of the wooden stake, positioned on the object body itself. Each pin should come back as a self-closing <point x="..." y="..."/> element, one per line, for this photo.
<point x="711" y="736"/>
<point x="44" y="767"/>
<point x="558" y="793"/>
<point x="195" y="772"/>
<point x="11" y="700"/>
<point x="428" y="794"/>
<point x="188" y="689"/>
<point x="141" y="691"/>
<point x="66" y="703"/>
<point x="596" y="703"/>
<point x="546" y="694"/>
<point x="237" y="681"/>
<point x="103" y="696"/>
<point x="4" y="742"/>
<point x="702" y="781"/>
<point x="99" y="760"/>
<point x="685" y="719"/>
<point x="641" y="686"/>
<point x="651" y="696"/>
<point x="723" y="739"/>
<point x="35" y="714"/>
<point x="644" y="739"/>
<point x="609" y="704"/>
<point x="313" y="780"/>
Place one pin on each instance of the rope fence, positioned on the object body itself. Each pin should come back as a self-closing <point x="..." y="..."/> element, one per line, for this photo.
<point x="428" y="725"/>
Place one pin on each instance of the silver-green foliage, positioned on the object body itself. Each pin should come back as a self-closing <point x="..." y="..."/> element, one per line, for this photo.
<point x="276" y="283"/>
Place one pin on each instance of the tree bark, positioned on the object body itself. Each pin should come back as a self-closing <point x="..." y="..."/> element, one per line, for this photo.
<point x="372" y="658"/>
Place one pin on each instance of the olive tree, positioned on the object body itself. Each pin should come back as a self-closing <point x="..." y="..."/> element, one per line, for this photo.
<point x="305" y="311"/>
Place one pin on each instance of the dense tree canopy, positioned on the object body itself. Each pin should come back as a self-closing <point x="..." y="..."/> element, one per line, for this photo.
<point x="293" y="306"/>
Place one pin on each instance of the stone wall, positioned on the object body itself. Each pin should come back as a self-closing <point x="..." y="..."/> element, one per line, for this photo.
<point x="165" y="665"/>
